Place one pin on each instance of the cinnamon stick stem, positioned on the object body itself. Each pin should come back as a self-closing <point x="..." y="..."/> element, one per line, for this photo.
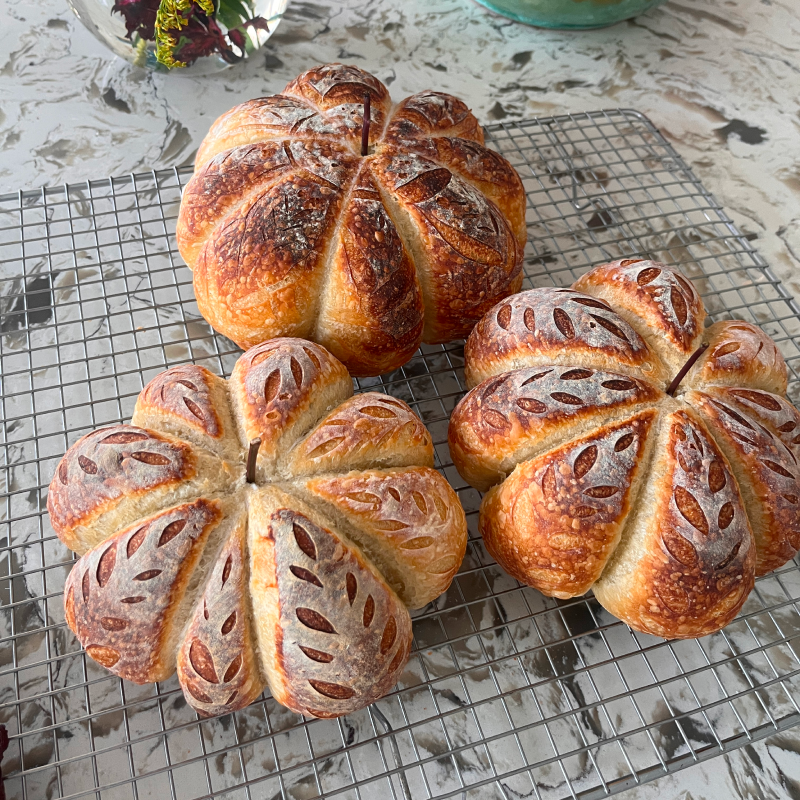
<point x="251" y="460"/>
<point x="365" y="127"/>
<point x="676" y="381"/>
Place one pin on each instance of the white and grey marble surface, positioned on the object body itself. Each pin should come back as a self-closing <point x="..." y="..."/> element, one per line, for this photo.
<point x="721" y="78"/>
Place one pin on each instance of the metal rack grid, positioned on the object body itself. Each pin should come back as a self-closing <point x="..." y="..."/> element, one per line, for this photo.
<point x="508" y="694"/>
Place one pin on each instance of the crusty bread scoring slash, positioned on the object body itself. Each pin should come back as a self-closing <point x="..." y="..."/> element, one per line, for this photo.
<point x="299" y="581"/>
<point x="291" y="231"/>
<point x="604" y="474"/>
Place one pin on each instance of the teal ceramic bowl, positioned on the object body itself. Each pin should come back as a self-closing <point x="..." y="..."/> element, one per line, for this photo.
<point x="575" y="14"/>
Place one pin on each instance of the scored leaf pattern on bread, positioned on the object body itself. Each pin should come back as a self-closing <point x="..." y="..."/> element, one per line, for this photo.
<point x="114" y="476"/>
<point x="403" y="519"/>
<point x="697" y="579"/>
<point x="123" y="598"/>
<point x="517" y="414"/>
<point x="567" y="507"/>
<point x="767" y="472"/>
<point x="717" y="498"/>
<point x="293" y="256"/>
<point x="217" y="663"/>
<point x="555" y="326"/>
<point x="344" y="634"/>
<point x="197" y="581"/>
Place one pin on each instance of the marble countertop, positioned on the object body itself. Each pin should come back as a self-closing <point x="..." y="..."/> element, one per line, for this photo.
<point x="721" y="78"/>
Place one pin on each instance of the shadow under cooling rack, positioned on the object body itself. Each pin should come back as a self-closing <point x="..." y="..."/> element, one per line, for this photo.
<point x="508" y="694"/>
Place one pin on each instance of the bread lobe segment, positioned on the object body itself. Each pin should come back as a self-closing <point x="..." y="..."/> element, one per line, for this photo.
<point x="260" y="273"/>
<point x="330" y="644"/>
<point x="557" y="326"/>
<point x="464" y="250"/>
<point x="127" y="599"/>
<point x="371" y="312"/>
<point x="280" y="390"/>
<point x="767" y="474"/>
<point x="516" y="415"/>
<point x="482" y="168"/>
<point x="742" y="355"/>
<point x="217" y="662"/>
<point x="555" y="521"/>
<point x="685" y="564"/>
<point x="113" y="477"/>
<point x="369" y="429"/>
<point x="409" y="522"/>
<point x="190" y="403"/>
<point x="657" y="301"/>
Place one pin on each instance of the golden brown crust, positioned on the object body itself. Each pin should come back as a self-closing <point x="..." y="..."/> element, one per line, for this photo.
<point x="484" y="169"/>
<point x="260" y="273"/>
<point x="554" y="522"/>
<point x="368" y="430"/>
<point x="433" y="114"/>
<point x="409" y="522"/>
<point x="686" y="567"/>
<point x="221" y="185"/>
<point x="335" y="636"/>
<point x="267" y="235"/>
<point x="217" y="664"/>
<point x="264" y="119"/>
<point x="556" y="326"/>
<point x="337" y="90"/>
<point x="281" y="388"/>
<point x="372" y="312"/>
<point x="742" y="508"/>
<point x="464" y="249"/>
<point x="514" y="416"/>
<point x="124" y="597"/>
<point x="767" y="473"/>
<point x="739" y="354"/>
<point x="114" y="476"/>
<point x="655" y="299"/>
<point x="192" y="403"/>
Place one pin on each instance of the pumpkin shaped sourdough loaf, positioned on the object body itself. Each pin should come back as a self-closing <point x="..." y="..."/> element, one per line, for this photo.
<point x="623" y="455"/>
<point x="270" y="530"/>
<point x="292" y="229"/>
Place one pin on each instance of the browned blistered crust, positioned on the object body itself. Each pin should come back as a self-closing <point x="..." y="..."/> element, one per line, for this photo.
<point x="767" y="473"/>
<point x="207" y="583"/>
<point x="659" y="300"/>
<point x="688" y="565"/>
<point x="518" y="414"/>
<point x="409" y="522"/>
<point x="554" y="522"/>
<point x="464" y="248"/>
<point x="739" y="354"/>
<point x="643" y="319"/>
<point x="124" y="597"/>
<point x="372" y="312"/>
<point x="268" y="235"/>
<point x="557" y="326"/>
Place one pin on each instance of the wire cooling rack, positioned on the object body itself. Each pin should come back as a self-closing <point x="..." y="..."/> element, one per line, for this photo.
<point x="508" y="694"/>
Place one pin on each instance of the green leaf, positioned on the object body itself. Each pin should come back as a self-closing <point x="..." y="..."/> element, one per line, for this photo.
<point x="232" y="13"/>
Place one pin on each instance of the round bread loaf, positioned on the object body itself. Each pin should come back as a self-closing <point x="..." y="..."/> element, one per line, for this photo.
<point x="291" y="231"/>
<point x="290" y="565"/>
<point x="630" y="450"/>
